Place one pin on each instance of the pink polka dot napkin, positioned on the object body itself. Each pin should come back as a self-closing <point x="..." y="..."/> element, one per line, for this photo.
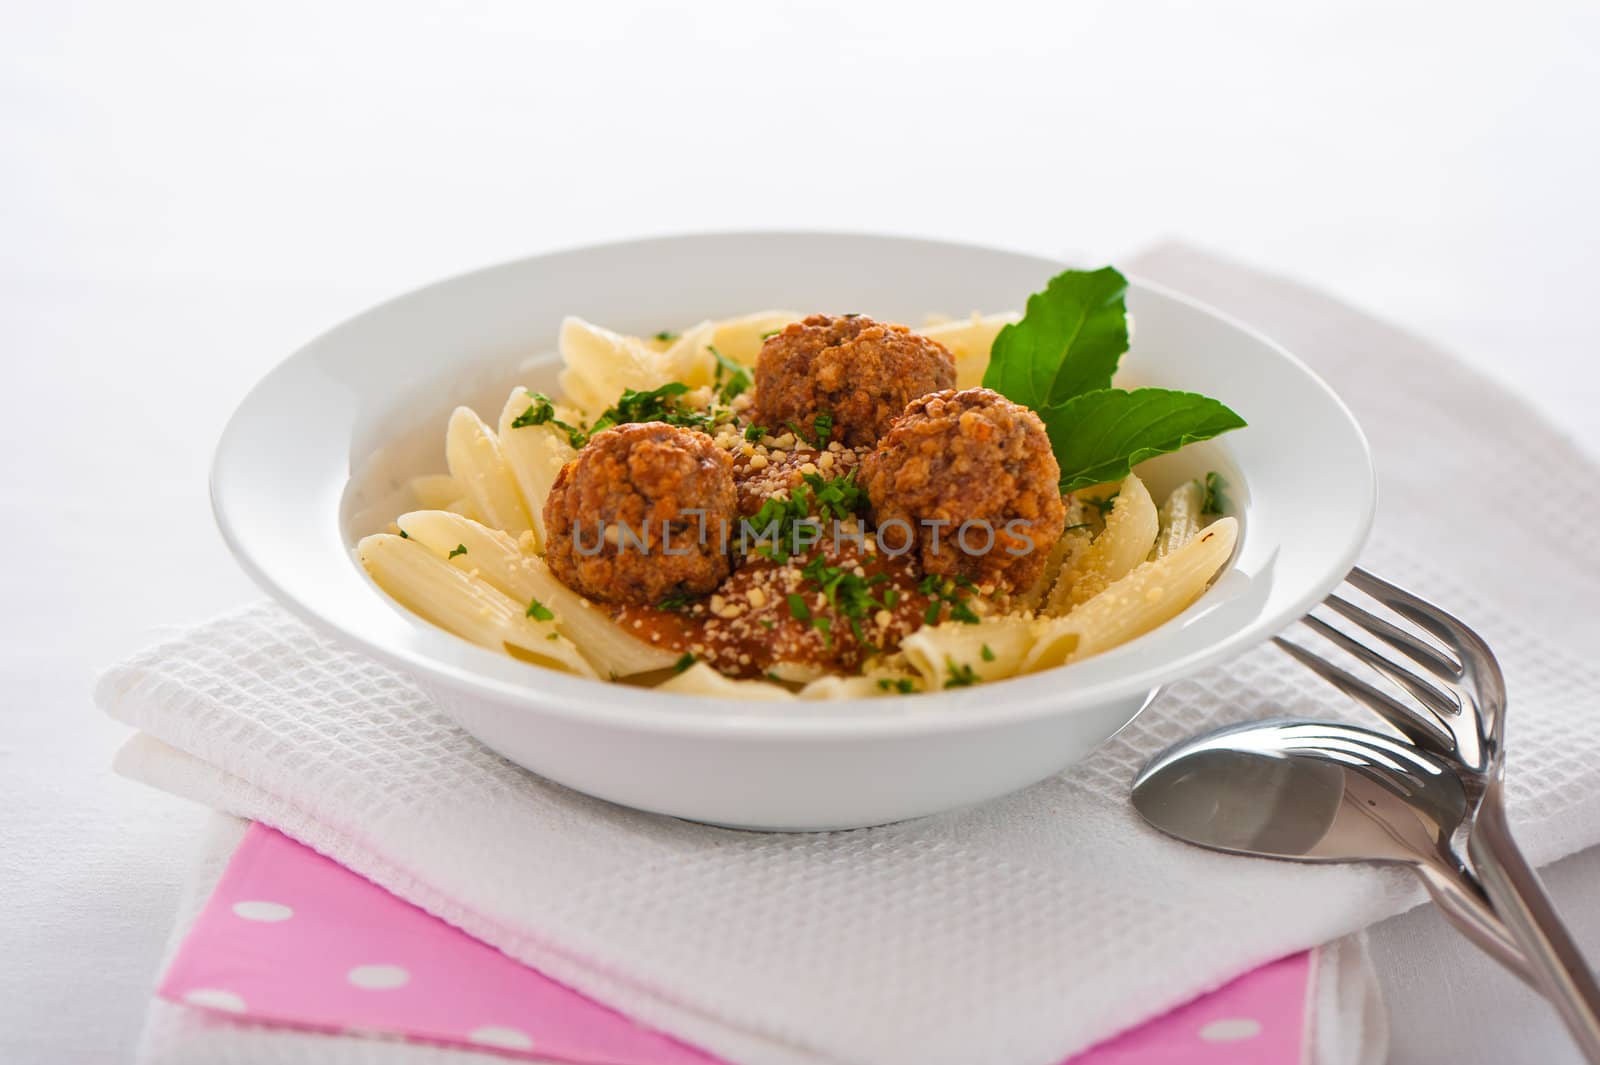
<point x="290" y="938"/>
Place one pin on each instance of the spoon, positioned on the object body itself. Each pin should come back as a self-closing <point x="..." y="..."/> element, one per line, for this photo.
<point x="1312" y="791"/>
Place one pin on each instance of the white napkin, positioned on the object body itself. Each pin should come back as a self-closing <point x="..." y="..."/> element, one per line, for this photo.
<point x="1012" y="934"/>
<point x="1347" y="1026"/>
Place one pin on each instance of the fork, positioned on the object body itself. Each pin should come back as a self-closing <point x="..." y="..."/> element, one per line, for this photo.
<point x="1457" y="710"/>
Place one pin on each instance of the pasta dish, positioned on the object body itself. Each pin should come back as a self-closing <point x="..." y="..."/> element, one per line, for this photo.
<point x="781" y="506"/>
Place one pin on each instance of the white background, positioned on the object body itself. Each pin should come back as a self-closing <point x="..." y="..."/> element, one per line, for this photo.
<point x="188" y="191"/>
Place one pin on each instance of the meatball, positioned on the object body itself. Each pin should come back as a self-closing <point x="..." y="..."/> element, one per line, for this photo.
<point x="861" y="372"/>
<point x="644" y="511"/>
<point x="967" y="479"/>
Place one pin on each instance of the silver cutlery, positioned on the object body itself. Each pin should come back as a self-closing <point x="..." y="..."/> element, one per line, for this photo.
<point x="1314" y="791"/>
<point x="1457" y="712"/>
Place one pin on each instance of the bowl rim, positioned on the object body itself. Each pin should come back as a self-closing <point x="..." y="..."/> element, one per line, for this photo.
<point x="1004" y="702"/>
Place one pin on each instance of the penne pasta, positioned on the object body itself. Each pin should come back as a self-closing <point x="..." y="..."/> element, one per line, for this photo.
<point x="1179" y="518"/>
<point x="599" y="364"/>
<point x="690" y="359"/>
<point x="535" y="455"/>
<point x="871" y="685"/>
<point x="1065" y="554"/>
<point x="478" y="465"/>
<point x="1150" y="595"/>
<point x="951" y="653"/>
<point x="1130" y="532"/>
<point x="494" y="557"/>
<point x="459" y="602"/>
<point x="435" y="491"/>
<point x="701" y="679"/>
<point x="969" y="340"/>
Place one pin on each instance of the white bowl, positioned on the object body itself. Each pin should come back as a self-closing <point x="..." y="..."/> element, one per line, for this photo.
<point x="319" y="452"/>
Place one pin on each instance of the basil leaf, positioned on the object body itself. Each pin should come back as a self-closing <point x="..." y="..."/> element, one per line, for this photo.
<point x="1067" y="343"/>
<point x="1099" y="436"/>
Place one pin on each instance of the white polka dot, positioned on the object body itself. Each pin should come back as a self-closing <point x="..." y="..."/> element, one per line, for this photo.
<point x="256" y="910"/>
<point x="215" y="998"/>
<point x="378" y="977"/>
<point x="1231" y="1030"/>
<point x="495" y="1035"/>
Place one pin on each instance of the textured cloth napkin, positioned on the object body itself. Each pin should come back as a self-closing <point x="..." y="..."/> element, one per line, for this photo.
<point x="1345" y="1021"/>
<point x="1015" y="933"/>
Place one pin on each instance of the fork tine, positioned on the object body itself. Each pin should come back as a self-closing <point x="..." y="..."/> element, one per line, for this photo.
<point x="1425" y="693"/>
<point x="1466" y="644"/>
<point x="1419" y="651"/>
<point x="1420" y="729"/>
<point x="1446" y="627"/>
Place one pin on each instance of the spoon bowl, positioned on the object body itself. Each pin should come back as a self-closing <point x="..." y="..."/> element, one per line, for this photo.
<point x="1313" y="791"/>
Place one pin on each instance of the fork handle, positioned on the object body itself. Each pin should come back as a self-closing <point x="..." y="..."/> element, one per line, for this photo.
<point x="1461" y="899"/>
<point x="1520" y="899"/>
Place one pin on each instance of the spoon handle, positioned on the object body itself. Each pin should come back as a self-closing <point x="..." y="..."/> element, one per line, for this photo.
<point x="1558" y="965"/>
<point x="1461" y="899"/>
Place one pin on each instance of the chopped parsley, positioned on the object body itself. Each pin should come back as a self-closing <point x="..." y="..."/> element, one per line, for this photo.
<point x="1106" y="505"/>
<point x="552" y="636"/>
<point x="541" y="411"/>
<point x="774" y="678"/>
<point x="752" y="433"/>
<point x="988" y="653"/>
<point x="770" y="333"/>
<point x="840" y="497"/>
<point x="847" y="593"/>
<point x="961" y="676"/>
<point x="666" y="337"/>
<point x="676" y="601"/>
<point x="540" y="612"/>
<point x="684" y="662"/>
<point x="460" y="549"/>
<point x="404" y="535"/>
<point x="779" y="520"/>
<point x="656" y="405"/>
<point x="902" y="685"/>
<point x="944" y="591"/>
<point x="1080" y="525"/>
<point x="797" y="607"/>
<point x="737" y="377"/>
<point x="822" y="427"/>
<point x="1214" y="502"/>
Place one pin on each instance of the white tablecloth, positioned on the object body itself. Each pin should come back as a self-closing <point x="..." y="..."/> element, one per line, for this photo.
<point x="190" y="191"/>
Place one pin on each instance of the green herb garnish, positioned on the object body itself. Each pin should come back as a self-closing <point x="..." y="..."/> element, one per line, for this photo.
<point x="797" y="607"/>
<point x="737" y="377"/>
<point x="656" y="405"/>
<point x="404" y="535"/>
<point x="676" y="601"/>
<point x="1059" y="360"/>
<point x="665" y="337"/>
<point x="752" y="433"/>
<point x="684" y="662"/>
<point x="770" y="333"/>
<point x="822" y="426"/>
<point x="540" y="612"/>
<point x="988" y="653"/>
<point x="943" y="592"/>
<point x="961" y="676"/>
<point x="902" y="685"/>
<point x="540" y="411"/>
<point x="1215" y="502"/>
<point x="460" y="549"/>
